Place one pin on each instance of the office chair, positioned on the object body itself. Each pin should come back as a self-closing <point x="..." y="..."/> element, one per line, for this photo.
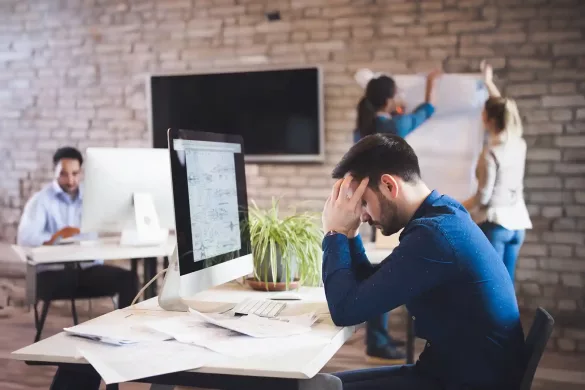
<point x="536" y="341"/>
<point x="48" y="297"/>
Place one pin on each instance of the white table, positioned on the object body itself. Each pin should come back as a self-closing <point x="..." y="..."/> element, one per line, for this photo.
<point x="103" y="248"/>
<point x="289" y="366"/>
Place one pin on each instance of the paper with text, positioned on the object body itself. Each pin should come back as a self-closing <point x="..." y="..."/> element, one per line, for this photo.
<point x="143" y="360"/>
<point x="196" y="331"/>
<point x="253" y="325"/>
<point x="122" y="333"/>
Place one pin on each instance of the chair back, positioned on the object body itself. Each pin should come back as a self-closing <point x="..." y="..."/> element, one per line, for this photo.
<point x="538" y="336"/>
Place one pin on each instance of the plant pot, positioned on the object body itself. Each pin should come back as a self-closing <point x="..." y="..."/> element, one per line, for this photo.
<point x="269" y="286"/>
<point x="264" y="271"/>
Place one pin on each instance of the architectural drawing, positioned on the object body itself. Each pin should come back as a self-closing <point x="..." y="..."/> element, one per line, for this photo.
<point x="213" y="203"/>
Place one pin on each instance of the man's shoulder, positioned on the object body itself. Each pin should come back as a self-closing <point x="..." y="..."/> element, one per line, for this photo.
<point x="42" y="195"/>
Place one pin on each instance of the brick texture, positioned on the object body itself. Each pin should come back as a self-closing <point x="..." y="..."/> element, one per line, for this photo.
<point x="72" y="72"/>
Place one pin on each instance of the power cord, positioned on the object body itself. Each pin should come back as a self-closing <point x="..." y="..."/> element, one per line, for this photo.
<point x="148" y="284"/>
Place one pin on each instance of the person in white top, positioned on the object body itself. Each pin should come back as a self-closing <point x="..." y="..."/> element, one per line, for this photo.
<point x="498" y="205"/>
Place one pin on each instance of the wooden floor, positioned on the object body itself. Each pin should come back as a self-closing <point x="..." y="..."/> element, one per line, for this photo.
<point x="17" y="330"/>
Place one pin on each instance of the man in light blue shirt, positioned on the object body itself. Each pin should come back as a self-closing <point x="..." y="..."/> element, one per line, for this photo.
<point x="55" y="213"/>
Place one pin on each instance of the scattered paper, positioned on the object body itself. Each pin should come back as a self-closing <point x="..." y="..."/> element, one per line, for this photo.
<point x="193" y="330"/>
<point x="253" y="325"/>
<point x="119" y="334"/>
<point x="142" y="360"/>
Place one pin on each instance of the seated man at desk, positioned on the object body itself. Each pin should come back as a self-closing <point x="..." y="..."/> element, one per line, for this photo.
<point x="444" y="270"/>
<point x="55" y="212"/>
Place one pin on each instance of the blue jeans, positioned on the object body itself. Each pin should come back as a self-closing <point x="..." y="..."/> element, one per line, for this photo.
<point x="506" y="242"/>
<point x="391" y="377"/>
<point x="377" y="331"/>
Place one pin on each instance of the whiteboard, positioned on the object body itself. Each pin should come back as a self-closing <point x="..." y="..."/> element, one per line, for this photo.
<point x="449" y="143"/>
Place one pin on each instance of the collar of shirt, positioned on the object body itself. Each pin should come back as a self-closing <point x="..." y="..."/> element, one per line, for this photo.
<point x="59" y="193"/>
<point x="430" y="199"/>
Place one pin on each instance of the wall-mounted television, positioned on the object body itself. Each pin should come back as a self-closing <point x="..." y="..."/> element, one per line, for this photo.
<point x="278" y="112"/>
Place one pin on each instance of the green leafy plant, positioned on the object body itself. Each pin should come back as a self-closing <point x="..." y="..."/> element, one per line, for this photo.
<point x="290" y="244"/>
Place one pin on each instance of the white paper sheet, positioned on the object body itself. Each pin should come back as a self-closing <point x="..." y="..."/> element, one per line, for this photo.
<point x="253" y="325"/>
<point x="122" y="333"/>
<point x="143" y="360"/>
<point x="193" y="330"/>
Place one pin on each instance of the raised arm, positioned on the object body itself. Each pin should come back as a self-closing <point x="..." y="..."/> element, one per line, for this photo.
<point x="422" y="261"/>
<point x="488" y="78"/>
<point x="407" y="123"/>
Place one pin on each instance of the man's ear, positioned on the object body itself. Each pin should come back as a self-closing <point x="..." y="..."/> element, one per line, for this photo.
<point x="389" y="186"/>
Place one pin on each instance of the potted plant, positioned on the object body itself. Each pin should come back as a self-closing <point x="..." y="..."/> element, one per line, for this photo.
<point x="287" y="251"/>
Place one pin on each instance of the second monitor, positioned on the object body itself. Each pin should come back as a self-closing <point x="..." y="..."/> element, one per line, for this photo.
<point x="128" y="191"/>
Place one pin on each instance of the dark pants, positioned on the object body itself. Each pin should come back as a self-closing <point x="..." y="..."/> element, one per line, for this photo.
<point x="377" y="328"/>
<point x="95" y="281"/>
<point x="390" y="377"/>
<point x="506" y="242"/>
<point x="377" y="332"/>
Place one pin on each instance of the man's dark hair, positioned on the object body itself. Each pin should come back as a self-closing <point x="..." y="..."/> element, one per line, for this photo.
<point x="67" y="152"/>
<point x="376" y="155"/>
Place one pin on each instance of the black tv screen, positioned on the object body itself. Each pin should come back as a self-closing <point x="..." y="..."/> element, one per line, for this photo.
<point x="277" y="112"/>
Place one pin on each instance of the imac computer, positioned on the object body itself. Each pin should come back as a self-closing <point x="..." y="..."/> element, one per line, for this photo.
<point x="211" y="215"/>
<point x="128" y="191"/>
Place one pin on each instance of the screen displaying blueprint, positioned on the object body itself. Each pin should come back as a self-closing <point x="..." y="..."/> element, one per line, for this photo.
<point x="213" y="202"/>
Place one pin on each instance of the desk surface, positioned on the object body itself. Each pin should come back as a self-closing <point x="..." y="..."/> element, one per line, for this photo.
<point x="110" y="249"/>
<point x="301" y="363"/>
<point x="104" y="248"/>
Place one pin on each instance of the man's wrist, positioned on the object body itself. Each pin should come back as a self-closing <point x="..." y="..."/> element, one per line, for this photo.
<point x="337" y="231"/>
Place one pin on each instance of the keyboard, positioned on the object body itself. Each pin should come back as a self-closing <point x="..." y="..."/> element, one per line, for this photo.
<point x="259" y="307"/>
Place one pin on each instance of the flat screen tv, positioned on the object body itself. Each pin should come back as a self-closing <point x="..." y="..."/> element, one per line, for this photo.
<point x="278" y="112"/>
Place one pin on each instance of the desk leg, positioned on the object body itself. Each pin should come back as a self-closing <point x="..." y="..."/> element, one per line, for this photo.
<point x="149" y="273"/>
<point x="76" y="376"/>
<point x="410" y="337"/>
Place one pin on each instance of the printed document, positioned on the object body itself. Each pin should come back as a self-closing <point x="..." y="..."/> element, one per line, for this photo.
<point x="253" y="325"/>
<point x="122" y="333"/>
<point x="193" y="330"/>
<point x="121" y="364"/>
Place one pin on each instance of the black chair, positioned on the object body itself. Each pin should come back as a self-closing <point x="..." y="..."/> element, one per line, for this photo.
<point x="536" y="341"/>
<point x="35" y="297"/>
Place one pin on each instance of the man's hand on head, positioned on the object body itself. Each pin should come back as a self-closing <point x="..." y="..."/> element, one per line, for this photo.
<point x="343" y="208"/>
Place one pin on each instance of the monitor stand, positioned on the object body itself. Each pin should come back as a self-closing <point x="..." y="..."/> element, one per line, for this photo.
<point x="170" y="295"/>
<point x="143" y="229"/>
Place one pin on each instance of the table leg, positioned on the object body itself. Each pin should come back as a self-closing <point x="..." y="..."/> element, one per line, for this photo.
<point x="149" y="273"/>
<point x="71" y="377"/>
<point x="410" y="337"/>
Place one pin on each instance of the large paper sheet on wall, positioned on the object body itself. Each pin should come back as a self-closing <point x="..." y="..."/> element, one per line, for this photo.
<point x="449" y="143"/>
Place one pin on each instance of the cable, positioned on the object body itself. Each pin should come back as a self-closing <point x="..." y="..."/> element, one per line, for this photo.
<point x="148" y="284"/>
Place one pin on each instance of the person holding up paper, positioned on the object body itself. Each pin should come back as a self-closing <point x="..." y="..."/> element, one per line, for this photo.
<point x="377" y="112"/>
<point x="444" y="270"/>
<point x="498" y="204"/>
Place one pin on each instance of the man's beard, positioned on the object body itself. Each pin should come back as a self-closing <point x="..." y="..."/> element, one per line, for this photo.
<point x="389" y="222"/>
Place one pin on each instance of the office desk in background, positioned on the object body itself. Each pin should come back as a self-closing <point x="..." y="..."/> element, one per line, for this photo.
<point x="276" y="371"/>
<point x="103" y="248"/>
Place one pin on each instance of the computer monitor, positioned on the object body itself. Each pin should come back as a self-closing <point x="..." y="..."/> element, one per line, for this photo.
<point x="128" y="191"/>
<point x="211" y="209"/>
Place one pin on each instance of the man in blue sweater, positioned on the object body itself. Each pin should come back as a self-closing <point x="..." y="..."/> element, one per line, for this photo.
<point x="444" y="270"/>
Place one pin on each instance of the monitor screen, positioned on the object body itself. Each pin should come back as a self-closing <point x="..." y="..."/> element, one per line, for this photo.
<point x="211" y="207"/>
<point x="277" y="112"/>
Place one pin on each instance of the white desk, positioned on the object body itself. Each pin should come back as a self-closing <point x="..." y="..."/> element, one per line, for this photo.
<point x="302" y="363"/>
<point x="104" y="248"/>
